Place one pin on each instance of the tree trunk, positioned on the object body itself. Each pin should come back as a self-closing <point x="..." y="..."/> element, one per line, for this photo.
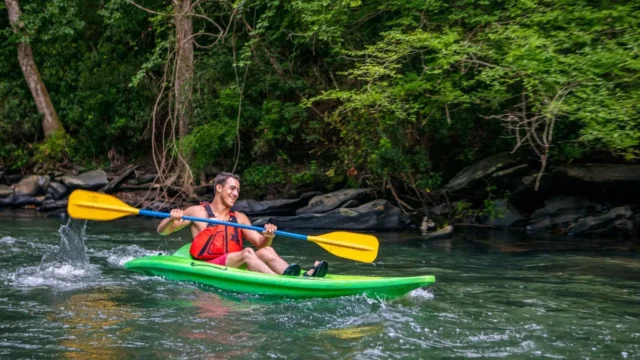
<point x="184" y="65"/>
<point x="50" y="122"/>
<point x="183" y="79"/>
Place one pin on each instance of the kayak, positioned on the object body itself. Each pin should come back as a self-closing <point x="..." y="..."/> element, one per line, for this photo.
<point x="182" y="267"/>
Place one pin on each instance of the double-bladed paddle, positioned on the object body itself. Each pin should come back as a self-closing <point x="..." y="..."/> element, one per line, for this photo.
<point x="90" y="205"/>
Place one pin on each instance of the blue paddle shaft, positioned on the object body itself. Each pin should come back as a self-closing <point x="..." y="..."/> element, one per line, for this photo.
<point x="162" y="215"/>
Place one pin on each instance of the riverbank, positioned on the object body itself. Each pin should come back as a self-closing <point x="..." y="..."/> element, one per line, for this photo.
<point x="502" y="191"/>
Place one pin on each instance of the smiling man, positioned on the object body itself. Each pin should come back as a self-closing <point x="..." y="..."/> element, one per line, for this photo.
<point x="222" y="244"/>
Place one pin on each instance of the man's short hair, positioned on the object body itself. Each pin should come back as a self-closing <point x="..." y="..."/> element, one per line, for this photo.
<point x="222" y="178"/>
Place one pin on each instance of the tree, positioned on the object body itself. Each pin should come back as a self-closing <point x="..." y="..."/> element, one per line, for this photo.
<point x="183" y="78"/>
<point x="50" y="123"/>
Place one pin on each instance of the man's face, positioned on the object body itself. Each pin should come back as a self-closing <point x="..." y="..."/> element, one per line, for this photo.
<point x="229" y="191"/>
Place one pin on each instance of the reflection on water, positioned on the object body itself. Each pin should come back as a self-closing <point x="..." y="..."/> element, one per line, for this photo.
<point x="93" y="323"/>
<point x="355" y="332"/>
<point x="497" y="295"/>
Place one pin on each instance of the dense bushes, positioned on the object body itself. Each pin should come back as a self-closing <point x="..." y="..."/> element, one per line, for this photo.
<point x="349" y="92"/>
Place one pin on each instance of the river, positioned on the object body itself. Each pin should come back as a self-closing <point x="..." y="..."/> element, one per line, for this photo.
<point x="497" y="295"/>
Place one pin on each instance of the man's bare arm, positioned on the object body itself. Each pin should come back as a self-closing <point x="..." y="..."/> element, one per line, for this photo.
<point x="257" y="239"/>
<point x="175" y="222"/>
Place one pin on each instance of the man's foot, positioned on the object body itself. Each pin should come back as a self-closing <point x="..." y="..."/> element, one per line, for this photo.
<point x="319" y="269"/>
<point x="292" y="270"/>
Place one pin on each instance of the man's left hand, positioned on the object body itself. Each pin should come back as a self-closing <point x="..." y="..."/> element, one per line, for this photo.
<point x="269" y="231"/>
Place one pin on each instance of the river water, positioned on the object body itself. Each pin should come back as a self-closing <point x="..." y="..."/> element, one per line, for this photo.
<point x="497" y="295"/>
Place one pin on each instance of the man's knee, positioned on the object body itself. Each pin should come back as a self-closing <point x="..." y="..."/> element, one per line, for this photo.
<point x="266" y="253"/>
<point x="247" y="253"/>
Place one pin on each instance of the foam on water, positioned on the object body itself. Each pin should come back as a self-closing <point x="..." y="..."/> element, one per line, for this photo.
<point x="7" y="240"/>
<point x="422" y="293"/>
<point x="66" y="266"/>
<point x="118" y="256"/>
<point x="60" y="276"/>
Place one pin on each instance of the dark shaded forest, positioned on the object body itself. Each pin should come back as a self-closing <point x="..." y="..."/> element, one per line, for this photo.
<point x="323" y="95"/>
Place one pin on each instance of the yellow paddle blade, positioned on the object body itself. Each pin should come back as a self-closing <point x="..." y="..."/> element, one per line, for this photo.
<point x="90" y="205"/>
<point x="359" y="247"/>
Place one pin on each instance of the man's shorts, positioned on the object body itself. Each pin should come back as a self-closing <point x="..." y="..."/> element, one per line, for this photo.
<point x="221" y="260"/>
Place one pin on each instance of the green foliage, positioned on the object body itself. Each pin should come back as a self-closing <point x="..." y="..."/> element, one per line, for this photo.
<point x="310" y="175"/>
<point x="208" y="144"/>
<point x="491" y="210"/>
<point x="362" y="93"/>
<point x="13" y="157"/>
<point x="54" y="150"/>
<point x="259" y="178"/>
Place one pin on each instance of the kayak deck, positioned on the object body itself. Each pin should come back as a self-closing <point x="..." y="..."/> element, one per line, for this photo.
<point x="181" y="267"/>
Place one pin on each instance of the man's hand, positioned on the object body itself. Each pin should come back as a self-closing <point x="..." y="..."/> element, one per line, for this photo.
<point x="173" y="223"/>
<point x="176" y="214"/>
<point x="269" y="231"/>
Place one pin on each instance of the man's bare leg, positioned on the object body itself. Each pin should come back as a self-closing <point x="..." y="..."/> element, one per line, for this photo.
<point x="272" y="259"/>
<point x="249" y="257"/>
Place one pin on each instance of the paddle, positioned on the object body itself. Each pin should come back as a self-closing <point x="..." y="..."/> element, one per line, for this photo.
<point x="90" y="205"/>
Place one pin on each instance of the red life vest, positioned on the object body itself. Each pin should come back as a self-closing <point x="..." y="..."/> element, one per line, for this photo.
<point x="216" y="240"/>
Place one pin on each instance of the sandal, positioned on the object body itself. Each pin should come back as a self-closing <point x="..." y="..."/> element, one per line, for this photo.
<point x="319" y="270"/>
<point x="292" y="270"/>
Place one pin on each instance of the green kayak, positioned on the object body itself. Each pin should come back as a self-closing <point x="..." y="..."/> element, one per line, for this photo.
<point x="182" y="267"/>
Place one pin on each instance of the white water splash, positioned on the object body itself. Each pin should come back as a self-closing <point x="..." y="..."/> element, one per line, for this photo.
<point x="7" y="240"/>
<point x="71" y="250"/>
<point x="120" y="255"/>
<point x="66" y="266"/>
<point x="422" y="293"/>
<point x="62" y="276"/>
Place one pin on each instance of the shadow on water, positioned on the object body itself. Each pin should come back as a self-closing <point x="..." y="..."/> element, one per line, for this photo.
<point x="519" y="242"/>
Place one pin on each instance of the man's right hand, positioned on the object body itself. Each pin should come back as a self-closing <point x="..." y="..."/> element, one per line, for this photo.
<point x="174" y="222"/>
<point x="176" y="214"/>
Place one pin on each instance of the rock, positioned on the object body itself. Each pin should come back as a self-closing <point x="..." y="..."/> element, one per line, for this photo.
<point x="12" y="179"/>
<point x="5" y="191"/>
<point x="560" y="212"/>
<point x="616" y="184"/>
<point x="510" y="172"/>
<point x="636" y="225"/>
<point x="603" y="173"/>
<point x="442" y="209"/>
<point x="350" y="204"/>
<point x="32" y="185"/>
<point x="527" y="199"/>
<point x="1" y="177"/>
<point x="57" y="190"/>
<point x="91" y="180"/>
<point x="50" y="205"/>
<point x="56" y="175"/>
<point x="375" y="215"/>
<point x="481" y="169"/>
<point x="331" y="201"/>
<point x="284" y="207"/>
<point x="16" y="201"/>
<point x="615" y="222"/>
<point x="445" y="232"/>
<point x="115" y="183"/>
<point x="504" y="214"/>
<point x="426" y="224"/>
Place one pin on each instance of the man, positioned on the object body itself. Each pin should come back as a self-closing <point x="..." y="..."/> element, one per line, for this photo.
<point x="222" y="245"/>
